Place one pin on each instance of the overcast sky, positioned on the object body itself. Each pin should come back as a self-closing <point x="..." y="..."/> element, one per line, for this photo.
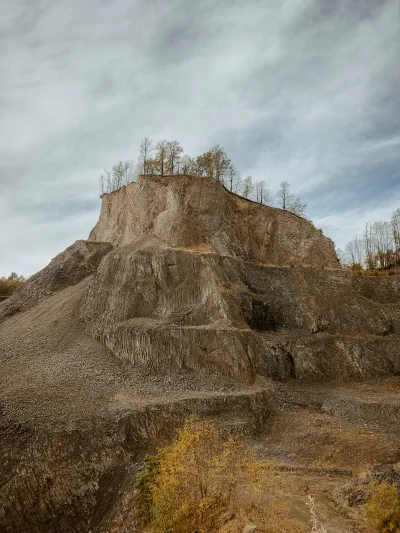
<point x="306" y="91"/>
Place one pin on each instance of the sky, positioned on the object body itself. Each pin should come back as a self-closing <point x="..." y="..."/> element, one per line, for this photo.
<point x="306" y="91"/>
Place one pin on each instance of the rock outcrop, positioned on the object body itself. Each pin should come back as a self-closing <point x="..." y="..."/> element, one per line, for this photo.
<point x="186" y="298"/>
<point x="200" y="214"/>
<point x="204" y="280"/>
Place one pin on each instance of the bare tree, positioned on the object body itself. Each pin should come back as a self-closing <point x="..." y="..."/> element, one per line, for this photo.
<point x="173" y="155"/>
<point x="146" y="148"/>
<point x="288" y="202"/>
<point x="237" y="183"/>
<point x="370" y="248"/>
<point x="102" y="180"/>
<point x="263" y="194"/>
<point x="383" y="242"/>
<point x="342" y="256"/>
<point x="297" y="207"/>
<point x="268" y="197"/>
<point x="121" y="174"/>
<point x="260" y="186"/>
<point x="283" y="195"/>
<point x="248" y="187"/>
<point x="161" y="156"/>
<point x="117" y="175"/>
<point x="354" y="252"/>
<point x="232" y="176"/>
<point x="395" y="223"/>
<point x="220" y="163"/>
<point x="188" y="166"/>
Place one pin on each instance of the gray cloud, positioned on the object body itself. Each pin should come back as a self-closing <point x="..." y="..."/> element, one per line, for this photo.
<point x="306" y="91"/>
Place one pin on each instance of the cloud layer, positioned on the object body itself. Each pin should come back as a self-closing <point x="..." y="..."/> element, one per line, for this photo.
<point x="306" y="91"/>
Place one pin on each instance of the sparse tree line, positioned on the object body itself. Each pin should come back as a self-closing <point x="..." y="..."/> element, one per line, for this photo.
<point x="166" y="158"/>
<point x="378" y="247"/>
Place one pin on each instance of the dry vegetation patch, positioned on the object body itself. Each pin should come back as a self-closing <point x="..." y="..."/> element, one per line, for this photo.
<point x="206" y="482"/>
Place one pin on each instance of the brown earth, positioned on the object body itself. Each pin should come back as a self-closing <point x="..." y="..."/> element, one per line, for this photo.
<point x="173" y="307"/>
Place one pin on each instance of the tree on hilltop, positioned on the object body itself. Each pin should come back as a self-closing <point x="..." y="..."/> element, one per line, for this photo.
<point x="120" y="174"/>
<point x="288" y="202"/>
<point x="220" y="163"/>
<point x="248" y="187"/>
<point x="173" y="156"/>
<point x="283" y="195"/>
<point x="188" y="165"/>
<point x="167" y="158"/>
<point x="161" y="156"/>
<point x="233" y="178"/>
<point x="145" y="150"/>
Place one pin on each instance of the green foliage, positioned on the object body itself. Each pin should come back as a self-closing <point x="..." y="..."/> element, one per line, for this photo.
<point x="384" y="508"/>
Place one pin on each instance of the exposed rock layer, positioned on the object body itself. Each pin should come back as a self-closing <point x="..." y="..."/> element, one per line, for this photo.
<point x="174" y="310"/>
<point x="185" y="299"/>
<point x="199" y="213"/>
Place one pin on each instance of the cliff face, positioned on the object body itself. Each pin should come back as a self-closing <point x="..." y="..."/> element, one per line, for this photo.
<point x="200" y="214"/>
<point x="193" y="283"/>
<point x="184" y="299"/>
<point x="173" y="310"/>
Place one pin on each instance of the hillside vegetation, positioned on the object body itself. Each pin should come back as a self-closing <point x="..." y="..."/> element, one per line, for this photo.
<point x="9" y="285"/>
<point x="166" y="158"/>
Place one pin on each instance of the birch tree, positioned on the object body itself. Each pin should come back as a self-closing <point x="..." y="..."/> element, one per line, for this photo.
<point x="248" y="187"/>
<point x="354" y="252"/>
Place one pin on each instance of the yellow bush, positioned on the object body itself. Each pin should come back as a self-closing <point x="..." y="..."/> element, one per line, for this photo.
<point x="203" y="479"/>
<point x="384" y="508"/>
<point x="9" y="285"/>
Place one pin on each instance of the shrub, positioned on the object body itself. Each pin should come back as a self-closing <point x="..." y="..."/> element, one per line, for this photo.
<point x="9" y="285"/>
<point x="144" y="485"/>
<point x="384" y="508"/>
<point x="203" y="479"/>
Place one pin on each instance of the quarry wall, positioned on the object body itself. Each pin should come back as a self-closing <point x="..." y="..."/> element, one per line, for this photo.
<point x="199" y="213"/>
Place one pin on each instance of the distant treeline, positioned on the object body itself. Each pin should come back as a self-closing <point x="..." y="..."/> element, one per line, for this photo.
<point x="377" y="248"/>
<point x="166" y="158"/>
<point x="9" y="285"/>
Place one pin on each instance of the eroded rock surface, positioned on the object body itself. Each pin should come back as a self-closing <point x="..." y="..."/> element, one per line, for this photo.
<point x="199" y="213"/>
<point x="186" y="298"/>
<point x="174" y="310"/>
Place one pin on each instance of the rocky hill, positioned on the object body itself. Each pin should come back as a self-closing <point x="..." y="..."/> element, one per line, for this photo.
<point x="185" y="298"/>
